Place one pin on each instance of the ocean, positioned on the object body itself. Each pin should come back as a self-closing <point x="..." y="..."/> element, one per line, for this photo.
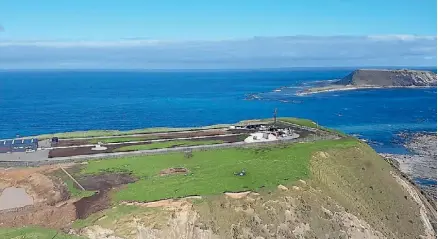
<point x="39" y="102"/>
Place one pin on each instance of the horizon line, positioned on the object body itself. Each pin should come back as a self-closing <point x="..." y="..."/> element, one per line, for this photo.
<point x="221" y="69"/>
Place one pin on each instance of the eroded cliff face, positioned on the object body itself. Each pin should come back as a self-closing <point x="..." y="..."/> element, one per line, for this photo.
<point x="370" y="77"/>
<point x="298" y="212"/>
<point x="289" y="214"/>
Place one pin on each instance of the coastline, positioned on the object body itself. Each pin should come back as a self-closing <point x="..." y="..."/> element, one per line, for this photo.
<point x="420" y="166"/>
<point x="347" y="88"/>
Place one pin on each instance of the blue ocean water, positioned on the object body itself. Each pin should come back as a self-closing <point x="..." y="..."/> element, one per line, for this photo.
<point x="38" y="102"/>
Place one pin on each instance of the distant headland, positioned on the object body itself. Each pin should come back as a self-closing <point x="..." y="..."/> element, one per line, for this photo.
<point x="377" y="78"/>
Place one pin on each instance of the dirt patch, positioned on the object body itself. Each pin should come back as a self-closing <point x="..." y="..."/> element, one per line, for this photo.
<point x="282" y="187"/>
<point x="43" y="189"/>
<point x="238" y="195"/>
<point x="281" y="214"/>
<point x="92" y="204"/>
<point x="97" y="231"/>
<point x="64" y="143"/>
<point x="101" y="200"/>
<point x="170" y="171"/>
<point x="323" y="155"/>
<point x="43" y="216"/>
<point x="52" y="207"/>
<point x="104" y="181"/>
<point x="67" y="152"/>
<point x="166" y="203"/>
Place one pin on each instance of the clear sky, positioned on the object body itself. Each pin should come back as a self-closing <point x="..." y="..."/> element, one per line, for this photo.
<point x="203" y="19"/>
<point x="96" y="21"/>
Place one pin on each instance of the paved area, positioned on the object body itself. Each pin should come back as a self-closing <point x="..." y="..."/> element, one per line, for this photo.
<point x="41" y="156"/>
<point x="183" y="149"/>
<point x="146" y="134"/>
<point x="22" y="156"/>
<point x="146" y="141"/>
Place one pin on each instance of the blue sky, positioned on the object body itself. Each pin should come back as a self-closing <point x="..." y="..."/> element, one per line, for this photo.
<point x="219" y="34"/>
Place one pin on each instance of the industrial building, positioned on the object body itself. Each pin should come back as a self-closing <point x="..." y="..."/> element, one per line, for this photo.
<point x="18" y="145"/>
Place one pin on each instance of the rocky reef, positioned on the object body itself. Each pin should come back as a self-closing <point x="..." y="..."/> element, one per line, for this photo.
<point x="420" y="166"/>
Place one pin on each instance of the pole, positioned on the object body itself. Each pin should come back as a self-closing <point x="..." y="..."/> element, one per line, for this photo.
<point x="275" y="116"/>
<point x="74" y="180"/>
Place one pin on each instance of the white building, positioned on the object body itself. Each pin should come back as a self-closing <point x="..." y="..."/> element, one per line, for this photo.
<point x="260" y="137"/>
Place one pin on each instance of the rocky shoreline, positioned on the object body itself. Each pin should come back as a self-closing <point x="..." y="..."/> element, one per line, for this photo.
<point x="349" y="88"/>
<point x="421" y="165"/>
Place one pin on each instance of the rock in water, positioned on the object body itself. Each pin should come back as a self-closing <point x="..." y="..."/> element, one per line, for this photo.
<point x="388" y="78"/>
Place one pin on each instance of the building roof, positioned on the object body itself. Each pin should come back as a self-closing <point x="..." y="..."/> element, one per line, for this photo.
<point x="18" y="142"/>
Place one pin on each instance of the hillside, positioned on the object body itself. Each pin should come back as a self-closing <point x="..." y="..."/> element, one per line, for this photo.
<point x="337" y="188"/>
<point x="370" y="77"/>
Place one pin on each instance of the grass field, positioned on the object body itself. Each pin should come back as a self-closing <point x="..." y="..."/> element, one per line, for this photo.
<point x="303" y="122"/>
<point x="360" y="180"/>
<point x="102" y="133"/>
<point x="76" y="192"/>
<point x="311" y="124"/>
<point x="212" y="171"/>
<point x="167" y="144"/>
<point x="34" y="233"/>
<point x="121" y="139"/>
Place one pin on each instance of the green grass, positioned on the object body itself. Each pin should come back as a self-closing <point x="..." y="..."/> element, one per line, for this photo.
<point x="121" y="139"/>
<point x="167" y="144"/>
<point x="360" y="180"/>
<point x="338" y="132"/>
<point x="77" y="192"/>
<point x="101" y="133"/>
<point x="303" y="122"/>
<point x="311" y="124"/>
<point x="109" y="133"/>
<point x="34" y="233"/>
<point x="212" y="171"/>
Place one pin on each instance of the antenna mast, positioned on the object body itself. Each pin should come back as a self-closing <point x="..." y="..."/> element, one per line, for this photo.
<point x="275" y="116"/>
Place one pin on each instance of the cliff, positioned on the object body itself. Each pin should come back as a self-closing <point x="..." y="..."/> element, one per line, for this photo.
<point x="372" y="78"/>
<point x="389" y="78"/>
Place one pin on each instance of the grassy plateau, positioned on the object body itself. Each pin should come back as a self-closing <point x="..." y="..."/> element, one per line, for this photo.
<point x="167" y="144"/>
<point x="121" y="139"/>
<point x="103" y="133"/>
<point x="212" y="171"/>
<point x="342" y="174"/>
